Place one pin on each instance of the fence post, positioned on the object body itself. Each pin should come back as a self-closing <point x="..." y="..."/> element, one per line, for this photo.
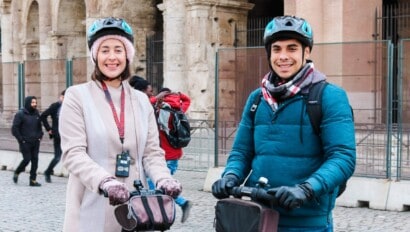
<point x="389" y="109"/>
<point x="69" y="73"/>
<point x="216" y="157"/>
<point x="20" y="84"/>
<point x="400" y="98"/>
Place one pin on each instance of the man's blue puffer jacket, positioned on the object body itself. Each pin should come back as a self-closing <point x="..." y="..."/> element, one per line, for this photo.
<point x="283" y="147"/>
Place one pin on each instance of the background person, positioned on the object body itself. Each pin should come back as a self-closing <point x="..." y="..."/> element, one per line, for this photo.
<point x="144" y="86"/>
<point x="304" y="169"/>
<point x="176" y="101"/>
<point x="109" y="135"/>
<point x="27" y="130"/>
<point x="54" y="112"/>
<point x="141" y="84"/>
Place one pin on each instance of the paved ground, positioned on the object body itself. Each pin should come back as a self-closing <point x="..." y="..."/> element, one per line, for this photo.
<point x="29" y="209"/>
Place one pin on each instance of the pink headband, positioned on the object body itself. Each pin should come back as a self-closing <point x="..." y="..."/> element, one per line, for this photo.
<point x="129" y="47"/>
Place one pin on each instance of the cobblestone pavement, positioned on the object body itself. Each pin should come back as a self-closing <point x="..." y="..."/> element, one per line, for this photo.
<point x="34" y="209"/>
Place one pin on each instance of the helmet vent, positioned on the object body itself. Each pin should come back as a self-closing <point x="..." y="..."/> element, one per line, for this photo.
<point x="289" y="24"/>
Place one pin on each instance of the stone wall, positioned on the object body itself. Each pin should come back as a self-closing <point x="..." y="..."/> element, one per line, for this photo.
<point x="44" y="33"/>
<point x="194" y="30"/>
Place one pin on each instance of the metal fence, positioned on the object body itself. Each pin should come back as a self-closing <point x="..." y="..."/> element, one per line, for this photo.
<point x="155" y="60"/>
<point x="401" y="141"/>
<point x="364" y="69"/>
<point x="44" y="79"/>
<point x="380" y="99"/>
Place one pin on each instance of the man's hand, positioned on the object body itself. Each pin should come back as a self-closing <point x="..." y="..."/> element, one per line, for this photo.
<point x="50" y="134"/>
<point x="292" y="197"/>
<point x="220" y="187"/>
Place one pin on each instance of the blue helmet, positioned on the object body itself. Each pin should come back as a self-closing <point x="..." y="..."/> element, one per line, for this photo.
<point x="285" y="27"/>
<point x="109" y="26"/>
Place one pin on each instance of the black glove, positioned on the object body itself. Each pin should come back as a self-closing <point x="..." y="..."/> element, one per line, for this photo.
<point x="221" y="186"/>
<point x="292" y="197"/>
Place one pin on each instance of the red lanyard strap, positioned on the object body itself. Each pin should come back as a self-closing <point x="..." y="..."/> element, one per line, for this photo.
<point x="120" y="123"/>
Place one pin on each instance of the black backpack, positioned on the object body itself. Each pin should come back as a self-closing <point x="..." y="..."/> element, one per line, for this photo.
<point x="180" y="132"/>
<point x="314" y="110"/>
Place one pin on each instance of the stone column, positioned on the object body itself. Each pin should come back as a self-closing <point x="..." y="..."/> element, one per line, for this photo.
<point x="175" y="38"/>
<point x="12" y="29"/>
<point x="8" y="81"/>
<point x="209" y="25"/>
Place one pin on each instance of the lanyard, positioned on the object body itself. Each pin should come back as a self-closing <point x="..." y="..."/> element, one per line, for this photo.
<point x="120" y="123"/>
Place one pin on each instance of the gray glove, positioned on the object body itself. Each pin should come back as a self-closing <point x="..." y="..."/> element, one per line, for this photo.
<point x="171" y="187"/>
<point x="116" y="191"/>
<point x="292" y="197"/>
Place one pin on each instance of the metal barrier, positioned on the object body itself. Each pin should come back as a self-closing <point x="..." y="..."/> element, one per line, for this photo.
<point x="401" y="139"/>
<point x="198" y="155"/>
<point x="380" y="99"/>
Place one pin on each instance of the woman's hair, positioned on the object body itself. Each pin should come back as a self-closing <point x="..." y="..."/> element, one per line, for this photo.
<point x="99" y="76"/>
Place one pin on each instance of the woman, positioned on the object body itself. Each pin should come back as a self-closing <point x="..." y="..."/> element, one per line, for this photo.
<point x="109" y="135"/>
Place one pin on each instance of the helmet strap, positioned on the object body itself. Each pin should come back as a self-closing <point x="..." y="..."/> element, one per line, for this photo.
<point x="303" y="51"/>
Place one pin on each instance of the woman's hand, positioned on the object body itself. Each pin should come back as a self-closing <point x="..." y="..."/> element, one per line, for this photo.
<point x="171" y="187"/>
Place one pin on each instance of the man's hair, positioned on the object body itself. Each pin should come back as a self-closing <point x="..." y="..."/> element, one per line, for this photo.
<point x="165" y="89"/>
<point x="139" y="83"/>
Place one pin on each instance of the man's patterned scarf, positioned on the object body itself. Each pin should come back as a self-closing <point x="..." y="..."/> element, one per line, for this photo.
<point x="275" y="90"/>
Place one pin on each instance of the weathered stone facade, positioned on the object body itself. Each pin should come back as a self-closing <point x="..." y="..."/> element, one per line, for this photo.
<point x="44" y="33"/>
<point x="36" y="31"/>
<point x="193" y="32"/>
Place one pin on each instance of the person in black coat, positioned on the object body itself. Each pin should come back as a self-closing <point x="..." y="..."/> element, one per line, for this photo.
<point x="53" y="111"/>
<point x="27" y="130"/>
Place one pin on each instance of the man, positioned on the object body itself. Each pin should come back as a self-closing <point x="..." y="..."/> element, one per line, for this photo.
<point x="142" y="85"/>
<point x="27" y="130"/>
<point x="54" y="112"/>
<point x="304" y="169"/>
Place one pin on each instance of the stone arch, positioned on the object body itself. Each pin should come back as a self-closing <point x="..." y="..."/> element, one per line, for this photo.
<point x="32" y="35"/>
<point x="66" y="42"/>
<point x="69" y="29"/>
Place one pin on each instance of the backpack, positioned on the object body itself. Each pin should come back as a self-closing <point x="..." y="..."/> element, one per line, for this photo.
<point x="314" y="110"/>
<point x="179" y="134"/>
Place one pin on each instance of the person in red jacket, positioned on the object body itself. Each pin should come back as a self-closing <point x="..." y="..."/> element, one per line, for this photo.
<point x="177" y="101"/>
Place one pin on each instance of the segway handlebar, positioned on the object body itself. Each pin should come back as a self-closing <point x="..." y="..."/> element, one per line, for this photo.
<point x="258" y="193"/>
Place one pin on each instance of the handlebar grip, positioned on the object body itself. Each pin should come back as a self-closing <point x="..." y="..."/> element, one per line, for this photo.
<point x="136" y="193"/>
<point x="265" y="196"/>
<point x="255" y="193"/>
<point x="146" y="192"/>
